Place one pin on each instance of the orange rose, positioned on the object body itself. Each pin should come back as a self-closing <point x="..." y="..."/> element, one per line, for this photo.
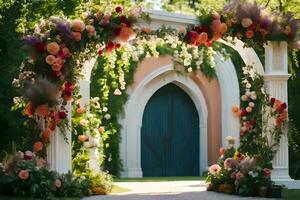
<point x="202" y="38"/>
<point x="46" y="134"/>
<point x="125" y="34"/>
<point x="29" y="109"/>
<point x="82" y="138"/>
<point x="53" y="48"/>
<point x="80" y="110"/>
<point x="249" y="34"/>
<point x="216" y="25"/>
<point x="38" y="146"/>
<point x="78" y="25"/>
<point x="42" y="110"/>
<point x="23" y="174"/>
<point x="50" y="59"/>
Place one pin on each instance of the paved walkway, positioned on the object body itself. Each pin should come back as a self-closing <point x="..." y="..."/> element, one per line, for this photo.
<point x="177" y="190"/>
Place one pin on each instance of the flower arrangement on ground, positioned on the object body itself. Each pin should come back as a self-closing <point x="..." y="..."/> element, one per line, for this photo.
<point x="237" y="173"/>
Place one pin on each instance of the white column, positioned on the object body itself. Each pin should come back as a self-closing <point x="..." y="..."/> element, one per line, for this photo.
<point x="59" y="154"/>
<point x="276" y="77"/>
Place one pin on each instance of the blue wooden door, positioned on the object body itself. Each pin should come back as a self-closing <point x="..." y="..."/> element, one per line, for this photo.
<point x="170" y="134"/>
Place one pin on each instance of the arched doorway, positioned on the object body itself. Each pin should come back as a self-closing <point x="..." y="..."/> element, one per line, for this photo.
<point x="170" y="134"/>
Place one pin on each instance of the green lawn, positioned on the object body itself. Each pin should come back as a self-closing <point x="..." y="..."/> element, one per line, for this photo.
<point x="160" y="179"/>
<point x="291" y="194"/>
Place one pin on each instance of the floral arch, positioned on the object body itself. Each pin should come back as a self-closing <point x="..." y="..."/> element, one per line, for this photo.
<point x="60" y="49"/>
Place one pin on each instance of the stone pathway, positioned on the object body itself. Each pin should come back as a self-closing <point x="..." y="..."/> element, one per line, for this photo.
<point x="173" y="190"/>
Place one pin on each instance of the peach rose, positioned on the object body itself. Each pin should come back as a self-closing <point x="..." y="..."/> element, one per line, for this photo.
<point x="235" y="110"/>
<point x="40" y="162"/>
<point x="125" y="34"/>
<point x="76" y="36"/>
<point x="80" y="110"/>
<point x="42" y="110"/>
<point x="56" y="67"/>
<point x="50" y="59"/>
<point x="53" y="48"/>
<point x="249" y="34"/>
<point x="23" y="174"/>
<point x="82" y="138"/>
<point x="38" y="146"/>
<point x="78" y="25"/>
<point x="91" y="30"/>
<point x="84" y="122"/>
<point x="101" y="129"/>
<point x="57" y="183"/>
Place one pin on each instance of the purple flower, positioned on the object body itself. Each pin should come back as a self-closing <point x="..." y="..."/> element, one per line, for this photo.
<point x="64" y="29"/>
<point x="31" y="40"/>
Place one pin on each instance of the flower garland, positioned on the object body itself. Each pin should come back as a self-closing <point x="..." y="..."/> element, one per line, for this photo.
<point x="59" y="47"/>
<point x="246" y="171"/>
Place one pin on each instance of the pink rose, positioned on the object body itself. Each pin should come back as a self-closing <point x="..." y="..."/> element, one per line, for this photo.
<point x="53" y="48"/>
<point x="239" y="176"/>
<point x="84" y="122"/>
<point x="91" y="30"/>
<point x="57" y="183"/>
<point x="23" y="174"/>
<point x="214" y="169"/>
<point x="50" y="59"/>
<point x="76" y="36"/>
<point x="56" y="67"/>
<point x="78" y="25"/>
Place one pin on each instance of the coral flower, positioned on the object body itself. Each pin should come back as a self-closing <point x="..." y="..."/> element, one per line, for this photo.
<point x="216" y="26"/>
<point x="23" y="174"/>
<point x="235" y="110"/>
<point x="29" y="109"/>
<point x="249" y="34"/>
<point x="57" y="183"/>
<point x="223" y="28"/>
<point x="66" y="52"/>
<point x="38" y="146"/>
<point x="53" y="48"/>
<point x="202" y="38"/>
<point x="78" y="25"/>
<point x="46" y="134"/>
<point x="80" y="110"/>
<point x="56" y="67"/>
<point x="82" y="138"/>
<point x="214" y="169"/>
<point x="50" y="59"/>
<point x="222" y="151"/>
<point x="125" y="34"/>
<point x="42" y="110"/>
<point x="101" y="129"/>
<point x="76" y="36"/>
